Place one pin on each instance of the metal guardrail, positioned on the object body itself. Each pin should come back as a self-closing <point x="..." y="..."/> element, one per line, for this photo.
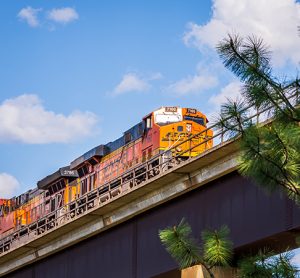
<point x="129" y="181"/>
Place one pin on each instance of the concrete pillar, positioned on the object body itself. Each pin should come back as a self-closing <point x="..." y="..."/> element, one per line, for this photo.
<point x="199" y="271"/>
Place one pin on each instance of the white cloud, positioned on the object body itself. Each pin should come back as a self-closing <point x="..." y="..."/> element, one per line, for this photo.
<point x="24" y="119"/>
<point x="276" y="22"/>
<point x="192" y="84"/>
<point x="155" y="76"/>
<point x="8" y="185"/>
<point x="63" y="15"/>
<point x="230" y="91"/>
<point x="204" y="79"/>
<point x="131" y="82"/>
<point x="30" y="16"/>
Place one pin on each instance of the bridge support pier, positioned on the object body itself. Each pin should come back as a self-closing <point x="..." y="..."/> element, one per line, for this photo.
<point x="198" y="271"/>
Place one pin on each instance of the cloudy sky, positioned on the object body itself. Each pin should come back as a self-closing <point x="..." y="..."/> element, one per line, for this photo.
<point x="75" y="74"/>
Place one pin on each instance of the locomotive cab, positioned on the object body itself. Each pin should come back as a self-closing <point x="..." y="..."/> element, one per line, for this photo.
<point x="177" y="125"/>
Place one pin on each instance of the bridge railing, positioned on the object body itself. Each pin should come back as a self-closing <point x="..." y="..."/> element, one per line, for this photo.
<point x="137" y="177"/>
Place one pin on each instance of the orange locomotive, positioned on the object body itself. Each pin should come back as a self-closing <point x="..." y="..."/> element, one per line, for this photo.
<point x="158" y="132"/>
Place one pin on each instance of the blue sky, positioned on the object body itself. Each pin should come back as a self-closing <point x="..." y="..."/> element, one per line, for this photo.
<point x="75" y="74"/>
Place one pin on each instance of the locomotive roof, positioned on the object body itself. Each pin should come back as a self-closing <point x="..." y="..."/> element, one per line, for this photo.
<point x="99" y="151"/>
<point x="136" y="131"/>
<point x="61" y="172"/>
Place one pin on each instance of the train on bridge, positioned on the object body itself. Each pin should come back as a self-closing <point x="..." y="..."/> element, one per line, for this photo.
<point x="177" y="133"/>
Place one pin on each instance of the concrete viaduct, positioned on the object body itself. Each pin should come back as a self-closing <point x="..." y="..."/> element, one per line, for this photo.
<point x="120" y="237"/>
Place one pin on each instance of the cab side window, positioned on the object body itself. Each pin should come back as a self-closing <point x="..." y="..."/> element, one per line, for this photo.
<point x="148" y="122"/>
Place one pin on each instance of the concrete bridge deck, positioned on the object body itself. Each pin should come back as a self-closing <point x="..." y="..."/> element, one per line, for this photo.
<point x="120" y="238"/>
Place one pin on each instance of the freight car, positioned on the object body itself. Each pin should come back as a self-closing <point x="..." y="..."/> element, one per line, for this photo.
<point x="176" y="132"/>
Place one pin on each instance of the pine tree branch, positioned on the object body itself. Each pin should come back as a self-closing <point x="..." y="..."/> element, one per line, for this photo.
<point x="241" y="128"/>
<point x="276" y="86"/>
<point x="289" y="183"/>
<point x="274" y="102"/>
<point x="283" y="146"/>
<point x="282" y="184"/>
<point x="196" y="257"/>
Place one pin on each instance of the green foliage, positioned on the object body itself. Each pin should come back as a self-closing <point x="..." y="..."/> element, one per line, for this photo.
<point x="233" y="118"/>
<point x="217" y="247"/>
<point x="270" y="152"/>
<point x="283" y="268"/>
<point x="271" y="156"/>
<point x="180" y="245"/>
<point x="267" y="265"/>
<point x="249" y="59"/>
<point x="217" y="250"/>
<point x="255" y="266"/>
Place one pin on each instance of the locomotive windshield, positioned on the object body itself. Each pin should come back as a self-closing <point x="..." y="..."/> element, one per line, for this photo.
<point x="167" y="115"/>
<point x="162" y="119"/>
